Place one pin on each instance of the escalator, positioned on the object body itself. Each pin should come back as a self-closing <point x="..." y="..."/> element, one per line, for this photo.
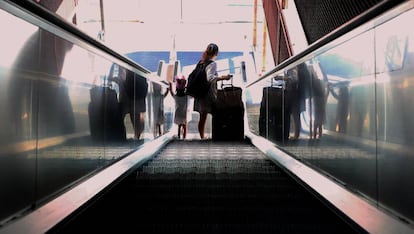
<point x="188" y="186"/>
<point x="195" y="186"/>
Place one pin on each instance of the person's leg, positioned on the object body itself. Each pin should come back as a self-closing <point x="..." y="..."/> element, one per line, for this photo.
<point x="155" y="130"/>
<point x="202" y="124"/>
<point x="141" y="116"/>
<point x="179" y="131"/>
<point x="134" y="123"/>
<point x="317" y="130"/>
<point x="320" y="130"/>
<point x="137" y="120"/>
<point x="184" y="130"/>
<point x="295" y="109"/>
<point x="315" y="127"/>
<point x="296" y="124"/>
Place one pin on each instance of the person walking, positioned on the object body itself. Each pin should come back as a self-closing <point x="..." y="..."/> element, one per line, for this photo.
<point x="204" y="104"/>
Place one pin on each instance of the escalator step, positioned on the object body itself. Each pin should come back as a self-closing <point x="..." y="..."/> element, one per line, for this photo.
<point x="211" y="193"/>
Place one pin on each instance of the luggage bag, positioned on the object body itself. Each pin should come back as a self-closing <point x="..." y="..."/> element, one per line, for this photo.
<point x="275" y="110"/>
<point x="105" y="115"/>
<point x="228" y="114"/>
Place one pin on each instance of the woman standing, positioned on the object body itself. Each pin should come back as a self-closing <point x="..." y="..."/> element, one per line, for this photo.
<point x="204" y="105"/>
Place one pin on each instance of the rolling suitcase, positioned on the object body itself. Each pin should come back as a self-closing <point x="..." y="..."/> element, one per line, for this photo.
<point x="228" y="114"/>
<point x="274" y="117"/>
<point x="105" y="115"/>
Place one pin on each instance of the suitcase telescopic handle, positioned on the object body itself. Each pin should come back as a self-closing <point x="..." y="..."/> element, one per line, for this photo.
<point x="277" y="78"/>
<point x="230" y="85"/>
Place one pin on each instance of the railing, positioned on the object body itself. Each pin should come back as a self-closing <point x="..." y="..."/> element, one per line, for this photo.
<point x="62" y="93"/>
<point x="348" y="96"/>
<point x="46" y="143"/>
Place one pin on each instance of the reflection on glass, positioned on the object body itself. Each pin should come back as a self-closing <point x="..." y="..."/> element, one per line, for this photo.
<point x="157" y="99"/>
<point x="394" y="102"/>
<point x="340" y="93"/>
<point x="52" y="132"/>
<point x="351" y="59"/>
<point x="365" y="111"/>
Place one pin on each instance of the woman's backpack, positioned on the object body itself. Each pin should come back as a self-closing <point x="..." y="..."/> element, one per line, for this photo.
<point x="198" y="85"/>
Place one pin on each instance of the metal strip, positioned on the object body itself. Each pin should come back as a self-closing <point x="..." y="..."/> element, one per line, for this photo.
<point x="49" y="215"/>
<point x="366" y="215"/>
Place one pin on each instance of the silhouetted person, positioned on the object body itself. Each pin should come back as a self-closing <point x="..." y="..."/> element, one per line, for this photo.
<point x="342" y="95"/>
<point x="204" y="105"/>
<point x="319" y="95"/>
<point x="132" y="97"/>
<point x="134" y="102"/>
<point x="298" y="97"/>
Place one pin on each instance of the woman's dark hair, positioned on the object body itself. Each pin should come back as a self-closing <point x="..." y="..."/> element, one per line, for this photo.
<point x="211" y="51"/>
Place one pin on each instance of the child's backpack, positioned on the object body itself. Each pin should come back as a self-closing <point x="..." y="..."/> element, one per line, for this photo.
<point x="180" y="87"/>
<point x="197" y="84"/>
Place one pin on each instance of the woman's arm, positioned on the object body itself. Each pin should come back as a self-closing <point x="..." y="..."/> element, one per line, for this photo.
<point x="225" y="77"/>
<point x="212" y="74"/>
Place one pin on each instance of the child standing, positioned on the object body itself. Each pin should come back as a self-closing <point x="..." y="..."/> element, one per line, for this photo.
<point x="181" y="99"/>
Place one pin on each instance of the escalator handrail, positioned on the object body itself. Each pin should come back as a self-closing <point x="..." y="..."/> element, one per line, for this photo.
<point x="351" y="25"/>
